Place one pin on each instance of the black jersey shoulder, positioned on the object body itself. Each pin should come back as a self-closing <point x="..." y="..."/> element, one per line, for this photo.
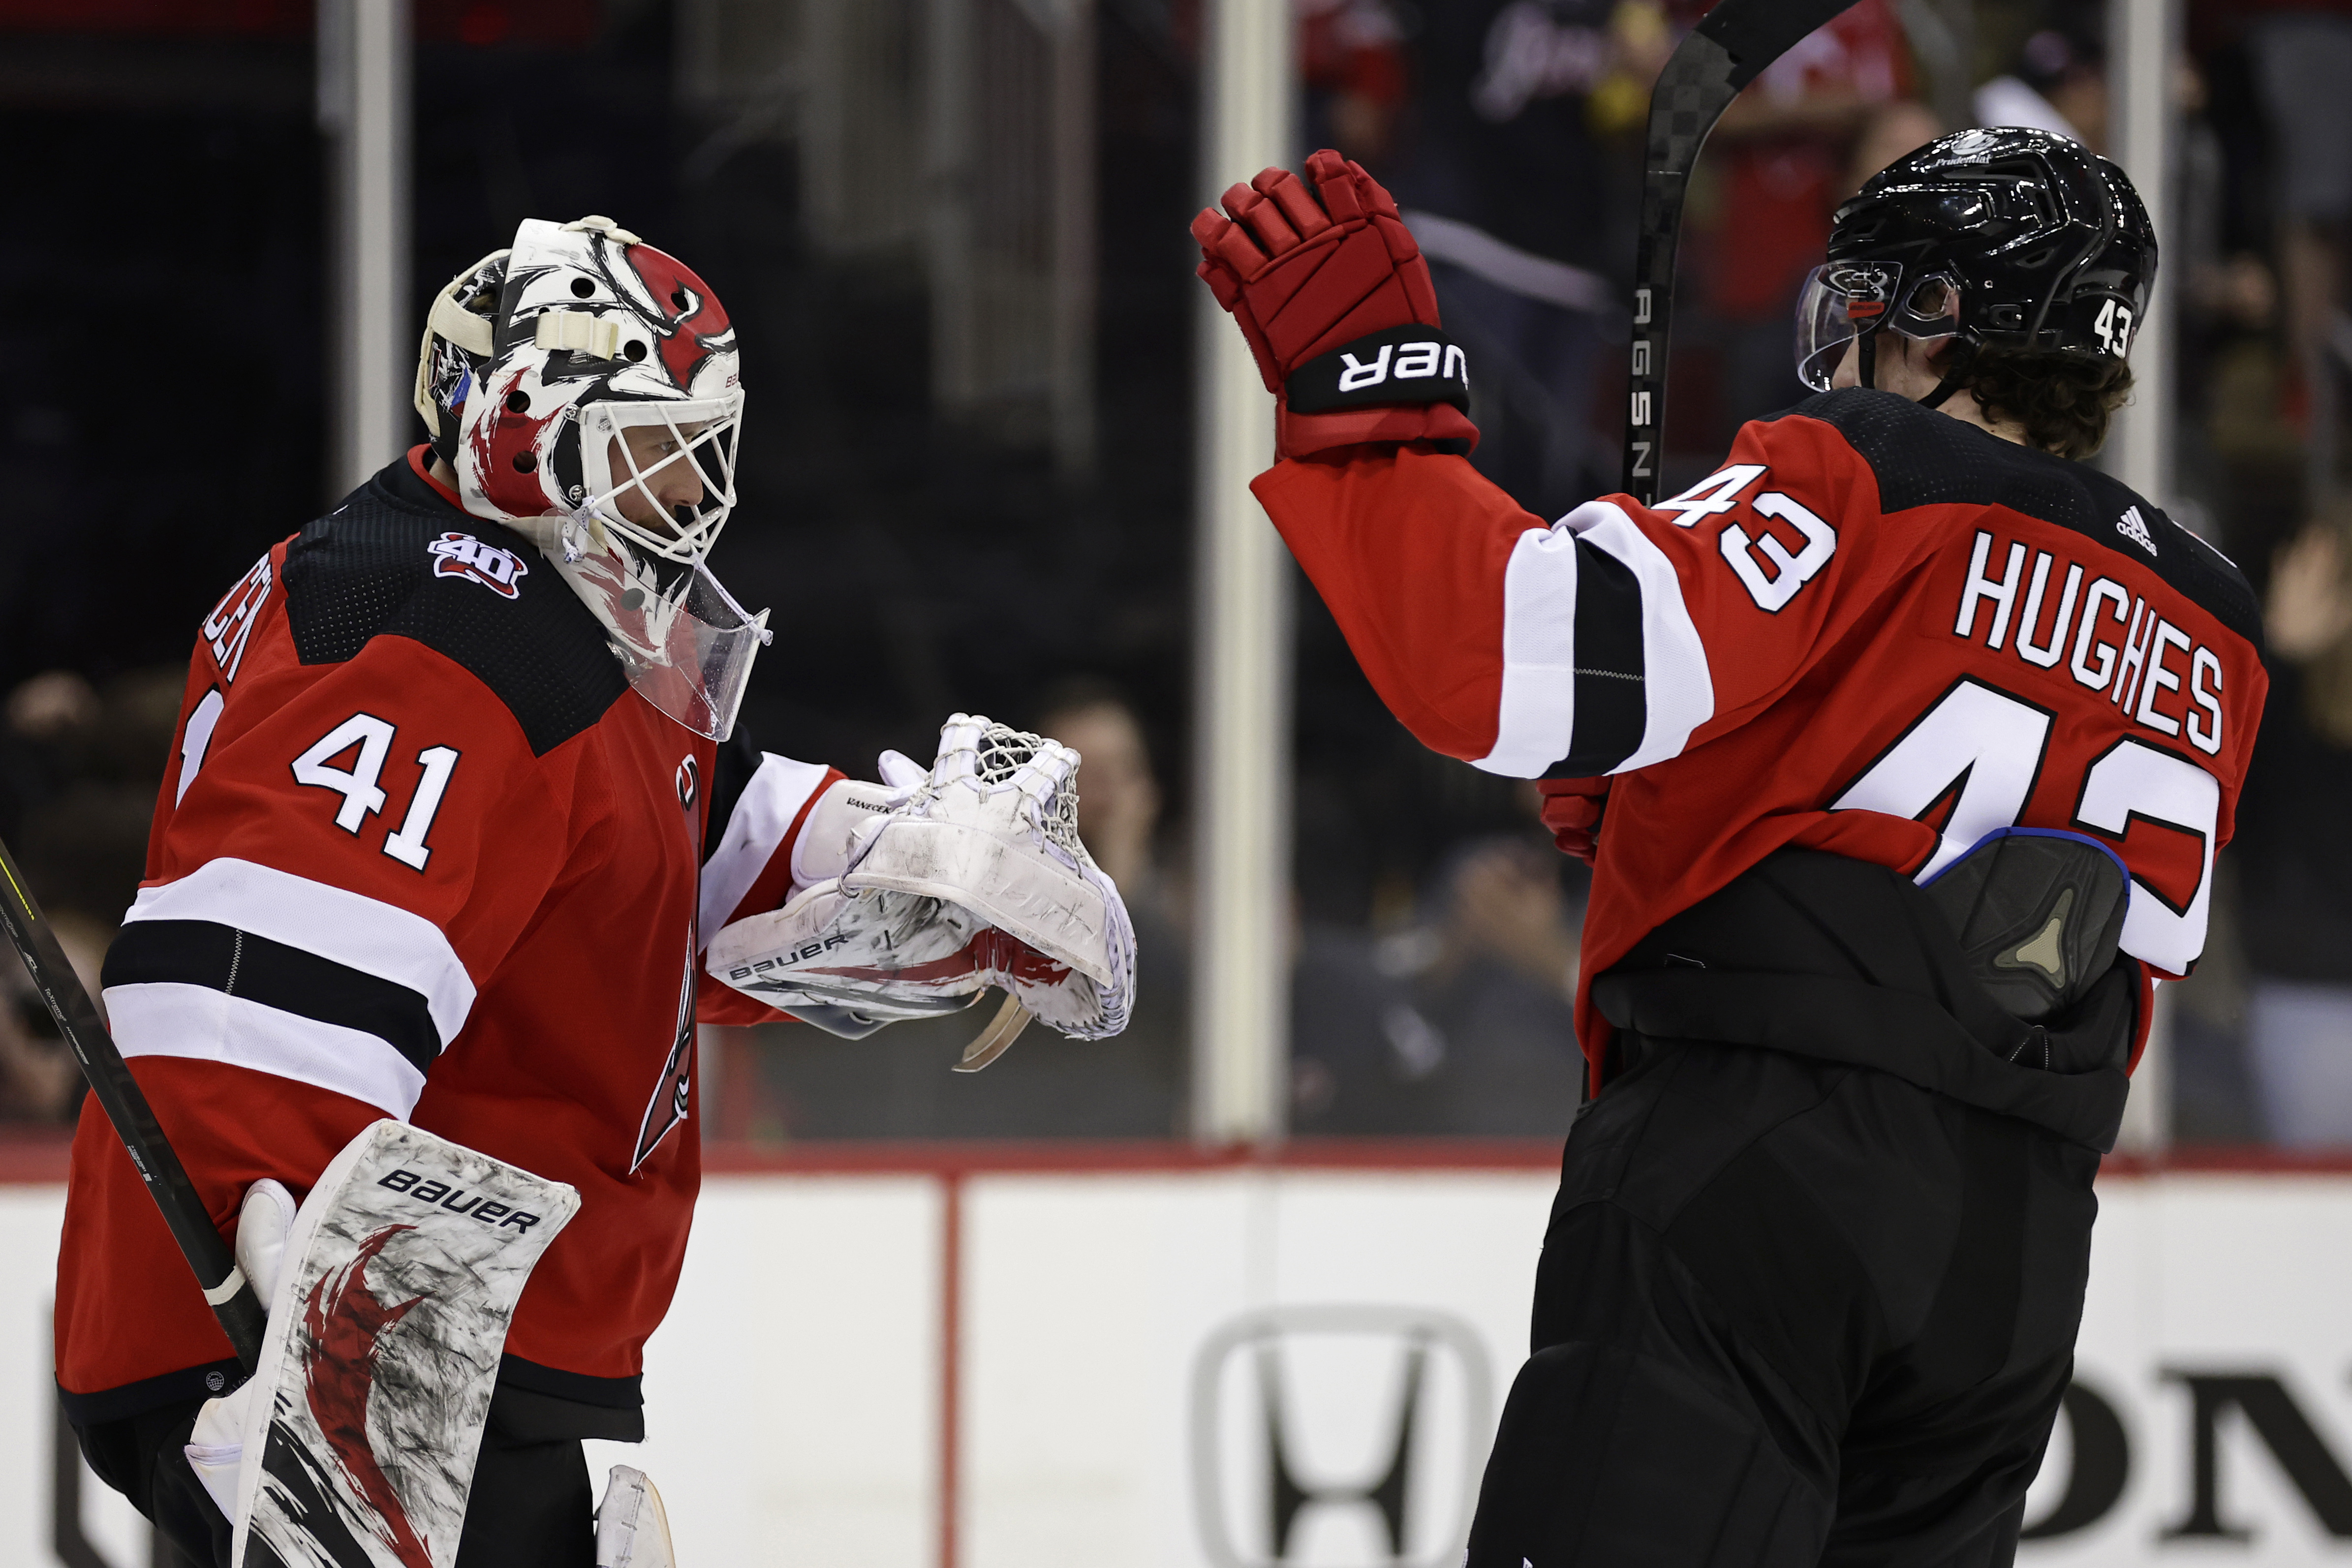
<point x="731" y="775"/>
<point x="368" y="569"/>
<point x="1922" y="457"/>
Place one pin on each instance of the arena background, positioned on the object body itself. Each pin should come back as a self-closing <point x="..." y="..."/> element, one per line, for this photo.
<point x="994" y="461"/>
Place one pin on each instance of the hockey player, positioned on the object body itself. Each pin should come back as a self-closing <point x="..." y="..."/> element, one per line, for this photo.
<point x="455" y="807"/>
<point x="1917" y="738"/>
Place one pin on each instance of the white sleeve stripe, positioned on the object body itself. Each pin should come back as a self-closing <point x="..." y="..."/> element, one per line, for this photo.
<point x="762" y="816"/>
<point x="349" y="928"/>
<point x="196" y="1022"/>
<point x="1535" y="721"/>
<point x="1676" y="685"/>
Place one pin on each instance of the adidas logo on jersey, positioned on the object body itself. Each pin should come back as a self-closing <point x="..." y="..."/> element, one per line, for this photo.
<point x="2135" y="528"/>
<point x="463" y="555"/>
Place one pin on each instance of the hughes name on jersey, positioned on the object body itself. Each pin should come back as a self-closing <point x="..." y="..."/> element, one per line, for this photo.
<point x="1876" y="631"/>
<point x="422" y="852"/>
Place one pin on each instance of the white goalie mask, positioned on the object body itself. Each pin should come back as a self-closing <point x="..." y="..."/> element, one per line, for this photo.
<point x="570" y="381"/>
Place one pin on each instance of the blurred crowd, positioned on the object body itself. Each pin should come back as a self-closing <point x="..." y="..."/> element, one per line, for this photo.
<point x="1435" y="930"/>
<point x="79" y="766"/>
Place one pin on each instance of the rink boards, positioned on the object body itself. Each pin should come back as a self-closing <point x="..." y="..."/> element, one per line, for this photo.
<point x="1141" y="1359"/>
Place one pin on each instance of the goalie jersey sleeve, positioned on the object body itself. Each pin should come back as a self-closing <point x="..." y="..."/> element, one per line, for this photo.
<point x="420" y="853"/>
<point x="1876" y="631"/>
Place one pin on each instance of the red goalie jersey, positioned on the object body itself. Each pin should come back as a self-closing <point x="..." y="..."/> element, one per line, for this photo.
<point x="422" y="852"/>
<point x="1876" y="631"/>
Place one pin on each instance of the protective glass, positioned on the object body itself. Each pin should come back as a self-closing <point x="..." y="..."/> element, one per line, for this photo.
<point x="684" y="643"/>
<point x="1843" y="301"/>
<point x="627" y="450"/>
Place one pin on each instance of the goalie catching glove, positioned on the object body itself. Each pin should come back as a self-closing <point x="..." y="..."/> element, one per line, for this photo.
<point x="931" y="888"/>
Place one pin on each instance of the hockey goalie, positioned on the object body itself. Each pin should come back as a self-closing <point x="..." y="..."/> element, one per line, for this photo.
<point x="458" y="844"/>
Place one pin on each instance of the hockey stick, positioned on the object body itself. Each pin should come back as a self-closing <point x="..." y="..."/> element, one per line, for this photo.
<point x="1730" y="47"/>
<point x="226" y="1292"/>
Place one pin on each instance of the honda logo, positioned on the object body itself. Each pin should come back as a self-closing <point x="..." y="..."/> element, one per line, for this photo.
<point x="1346" y="1437"/>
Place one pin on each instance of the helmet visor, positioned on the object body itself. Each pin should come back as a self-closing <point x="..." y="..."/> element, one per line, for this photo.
<point x="684" y="643"/>
<point x="1843" y="300"/>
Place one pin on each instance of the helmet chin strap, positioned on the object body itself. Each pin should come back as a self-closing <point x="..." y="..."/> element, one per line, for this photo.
<point x="1964" y="354"/>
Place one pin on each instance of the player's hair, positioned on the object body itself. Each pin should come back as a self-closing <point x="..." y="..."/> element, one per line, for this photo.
<point x="2065" y="401"/>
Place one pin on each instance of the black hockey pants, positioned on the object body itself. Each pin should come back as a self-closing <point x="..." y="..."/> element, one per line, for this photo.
<point x="1789" y="1312"/>
<point x="1809" y="1298"/>
<point x="531" y="1506"/>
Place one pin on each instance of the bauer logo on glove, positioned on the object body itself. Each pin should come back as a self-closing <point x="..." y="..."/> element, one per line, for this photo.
<point x="1396" y="364"/>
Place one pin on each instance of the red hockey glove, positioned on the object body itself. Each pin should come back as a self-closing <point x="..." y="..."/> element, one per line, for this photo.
<point x="1571" y="810"/>
<point x="1334" y="299"/>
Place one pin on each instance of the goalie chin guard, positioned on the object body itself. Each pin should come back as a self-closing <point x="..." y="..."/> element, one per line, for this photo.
<point x="976" y="877"/>
<point x="684" y="643"/>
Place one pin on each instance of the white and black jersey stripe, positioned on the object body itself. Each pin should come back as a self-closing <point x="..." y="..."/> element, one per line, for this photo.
<point x="1602" y="669"/>
<point x="749" y="826"/>
<point x="245" y="964"/>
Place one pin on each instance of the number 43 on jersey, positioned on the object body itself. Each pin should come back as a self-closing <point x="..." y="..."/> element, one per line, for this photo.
<point x="1989" y="748"/>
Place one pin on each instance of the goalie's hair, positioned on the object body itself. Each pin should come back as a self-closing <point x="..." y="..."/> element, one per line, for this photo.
<point x="2065" y="401"/>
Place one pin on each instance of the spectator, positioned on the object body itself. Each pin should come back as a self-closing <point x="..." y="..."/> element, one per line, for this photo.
<point x="101" y="755"/>
<point x="2060" y="84"/>
<point x="1510" y="195"/>
<point x="1351" y="64"/>
<point x="80" y="769"/>
<point x="2294" y="850"/>
<point x="1461" y="1025"/>
<point x="1502" y="989"/>
<point x="2303" y="58"/>
<point x="1361" y="1053"/>
<point x="45" y="724"/>
<point x="1822" y="119"/>
<point x="39" y="1084"/>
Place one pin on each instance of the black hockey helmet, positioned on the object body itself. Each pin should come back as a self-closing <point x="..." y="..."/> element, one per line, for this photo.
<point x="2010" y="237"/>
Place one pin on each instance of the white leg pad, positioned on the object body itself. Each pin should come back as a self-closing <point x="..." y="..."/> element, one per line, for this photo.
<point x="397" y="1282"/>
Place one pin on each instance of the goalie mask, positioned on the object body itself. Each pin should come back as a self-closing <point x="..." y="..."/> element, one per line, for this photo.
<point x="2010" y="238"/>
<point x="571" y="380"/>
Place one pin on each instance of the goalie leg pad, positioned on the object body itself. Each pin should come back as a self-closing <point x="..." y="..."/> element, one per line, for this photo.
<point x="390" y="1311"/>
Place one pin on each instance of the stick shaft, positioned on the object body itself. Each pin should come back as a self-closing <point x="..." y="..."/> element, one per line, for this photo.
<point x="241" y="1314"/>
<point x="1729" y="48"/>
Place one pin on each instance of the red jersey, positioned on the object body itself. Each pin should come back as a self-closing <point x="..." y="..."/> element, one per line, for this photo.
<point x="420" y="852"/>
<point x="1876" y="631"/>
